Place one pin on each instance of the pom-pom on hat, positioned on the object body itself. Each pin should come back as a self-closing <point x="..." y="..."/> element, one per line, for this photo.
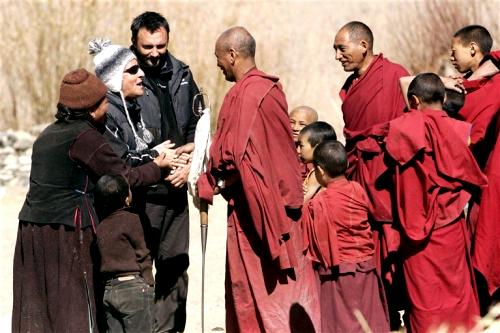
<point x="110" y="61"/>
<point x="81" y="90"/>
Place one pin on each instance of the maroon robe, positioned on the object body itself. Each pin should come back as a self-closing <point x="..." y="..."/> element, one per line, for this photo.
<point x="374" y="97"/>
<point x="482" y="109"/>
<point x="486" y="251"/>
<point x="369" y="101"/>
<point x="338" y="238"/>
<point x="270" y="285"/>
<point x="434" y="172"/>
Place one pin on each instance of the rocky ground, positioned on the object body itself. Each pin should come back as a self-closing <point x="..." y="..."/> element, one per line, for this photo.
<point x="15" y="159"/>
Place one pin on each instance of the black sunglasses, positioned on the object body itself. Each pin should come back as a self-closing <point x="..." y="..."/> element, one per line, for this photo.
<point x="132" y="70"/>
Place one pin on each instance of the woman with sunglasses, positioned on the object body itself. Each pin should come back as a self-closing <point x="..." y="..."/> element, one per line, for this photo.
<point x="117" y="67"/>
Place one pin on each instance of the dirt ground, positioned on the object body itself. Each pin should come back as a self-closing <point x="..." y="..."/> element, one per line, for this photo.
<point x="11" y="200"/>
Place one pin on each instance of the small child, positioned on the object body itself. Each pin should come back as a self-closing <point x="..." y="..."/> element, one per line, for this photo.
<point x="339" y="241"/>
<point x="309" y="137"/>
<point x="125" y="261"/>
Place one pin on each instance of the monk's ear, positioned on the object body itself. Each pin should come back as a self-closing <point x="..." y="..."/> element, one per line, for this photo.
<point x="321" y="170"/>
<point x="474" y="48"/>
<point x="364" y="45"/>
<point x="414" y="102"/>
<point x="232" y="56"/>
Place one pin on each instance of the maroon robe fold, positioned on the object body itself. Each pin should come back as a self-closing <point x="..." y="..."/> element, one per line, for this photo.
<point x="486" y="251"/>
<point x="374" y="97"/>
<point x="369" y="101"/>
<point x="482" y="109"/>
<point x="434" y="174"/>
<point x="267" y="277"/>
<point x="338" y="238"/>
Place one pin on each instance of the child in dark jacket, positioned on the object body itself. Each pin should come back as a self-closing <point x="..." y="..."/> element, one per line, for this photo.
<point x="126" y="265"/>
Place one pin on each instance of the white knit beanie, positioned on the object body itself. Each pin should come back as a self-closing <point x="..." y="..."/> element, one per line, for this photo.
<point x="110" y="61"/>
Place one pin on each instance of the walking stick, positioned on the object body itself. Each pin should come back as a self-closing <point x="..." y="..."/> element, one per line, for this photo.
<point x="198" y="166"/>
<point x="204" y="231"/>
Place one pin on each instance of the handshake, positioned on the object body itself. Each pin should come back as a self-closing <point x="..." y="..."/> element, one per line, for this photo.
<point x="171" y="157"/>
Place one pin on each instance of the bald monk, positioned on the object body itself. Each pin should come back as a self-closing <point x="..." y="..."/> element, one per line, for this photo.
<point x="300" y="117"/>
<point x="338" y="239"/>
<point x="471" y="48"/>
<point x="434" y="173"/>
<point x="270" y="285"/>
<point x="370" y="97"/>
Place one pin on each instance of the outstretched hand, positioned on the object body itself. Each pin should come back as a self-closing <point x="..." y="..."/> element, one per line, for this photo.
<point x="179" y="176"/>
<point x="164" y="146"/>
<point x="168" y="160"/>
<point x="454" y="83"/>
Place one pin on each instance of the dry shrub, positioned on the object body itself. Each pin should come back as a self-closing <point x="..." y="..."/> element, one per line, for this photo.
<point x="50" y="38"/>
<point x="42" y="40"/>
<point x="422" y="37"/>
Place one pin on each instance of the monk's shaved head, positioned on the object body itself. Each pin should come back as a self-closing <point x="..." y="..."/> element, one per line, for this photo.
<point x="239" y="39"/>
<point x="428" y="88"/>
<point x="300" y="117"/>
<point x="331" y="156"/>
<point x="477" y="34"/>
<point x="359" y="31"/>
<point x="309" y="113"/>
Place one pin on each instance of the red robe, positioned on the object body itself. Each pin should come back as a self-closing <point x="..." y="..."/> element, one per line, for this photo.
<point x="482" y="109"/>
<point x="374" y="97"/>
<point x="270" y="285"/>
<point x="434" y="172"/>
<point x="338" y="238"/>
<point x="368" y="102"/>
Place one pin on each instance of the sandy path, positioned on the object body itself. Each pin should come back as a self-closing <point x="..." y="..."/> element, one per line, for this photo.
<point x="11" y="200"/>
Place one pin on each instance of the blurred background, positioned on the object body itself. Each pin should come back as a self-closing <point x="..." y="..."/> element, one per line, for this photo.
<point x="42" y="40"/>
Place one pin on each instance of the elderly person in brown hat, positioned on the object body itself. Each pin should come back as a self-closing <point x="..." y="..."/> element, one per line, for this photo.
<point x="53" y="273"/>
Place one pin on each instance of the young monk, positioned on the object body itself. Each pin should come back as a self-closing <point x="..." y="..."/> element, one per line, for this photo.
<point x="470" y="49"/>
<point x="434" y="174"/>
<point x="300" y="117"/>
<point x="310" y="136"/>
<point x="339" y="240"/>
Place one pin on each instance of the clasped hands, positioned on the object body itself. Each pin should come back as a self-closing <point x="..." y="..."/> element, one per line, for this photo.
<point x="178" y="160"/>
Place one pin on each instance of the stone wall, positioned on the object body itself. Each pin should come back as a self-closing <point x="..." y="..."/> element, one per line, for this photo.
<point x="15" y="156"/>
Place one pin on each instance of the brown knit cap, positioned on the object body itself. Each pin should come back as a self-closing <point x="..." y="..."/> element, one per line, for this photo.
<point x="81" y="90"/>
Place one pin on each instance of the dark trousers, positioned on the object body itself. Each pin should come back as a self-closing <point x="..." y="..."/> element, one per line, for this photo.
<point x="167" y="236"/>
<point x="129" y="306"/>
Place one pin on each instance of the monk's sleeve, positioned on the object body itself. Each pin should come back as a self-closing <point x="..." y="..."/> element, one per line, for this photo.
<point x="92" y="151"/>
<point x="206" y="185"/>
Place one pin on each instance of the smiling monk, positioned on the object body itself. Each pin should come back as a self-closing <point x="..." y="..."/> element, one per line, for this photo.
<point x="371" y="97"/>
<point x="270" y="285"/>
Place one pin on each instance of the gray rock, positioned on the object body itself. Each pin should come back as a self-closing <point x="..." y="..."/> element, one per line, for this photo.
<point x="23" y="141"/>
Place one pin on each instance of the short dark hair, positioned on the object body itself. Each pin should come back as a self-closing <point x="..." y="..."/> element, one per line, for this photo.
<point x="428" y="87"/>
<point x="359" y="31"/>
<point x="318" y="132"/>
<point x="453" y="102"/>
<point x="152" y="21"/>
<point x="477" y="34"/>
<point x="110" y="193"/>
<point x="330" y="155"/>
